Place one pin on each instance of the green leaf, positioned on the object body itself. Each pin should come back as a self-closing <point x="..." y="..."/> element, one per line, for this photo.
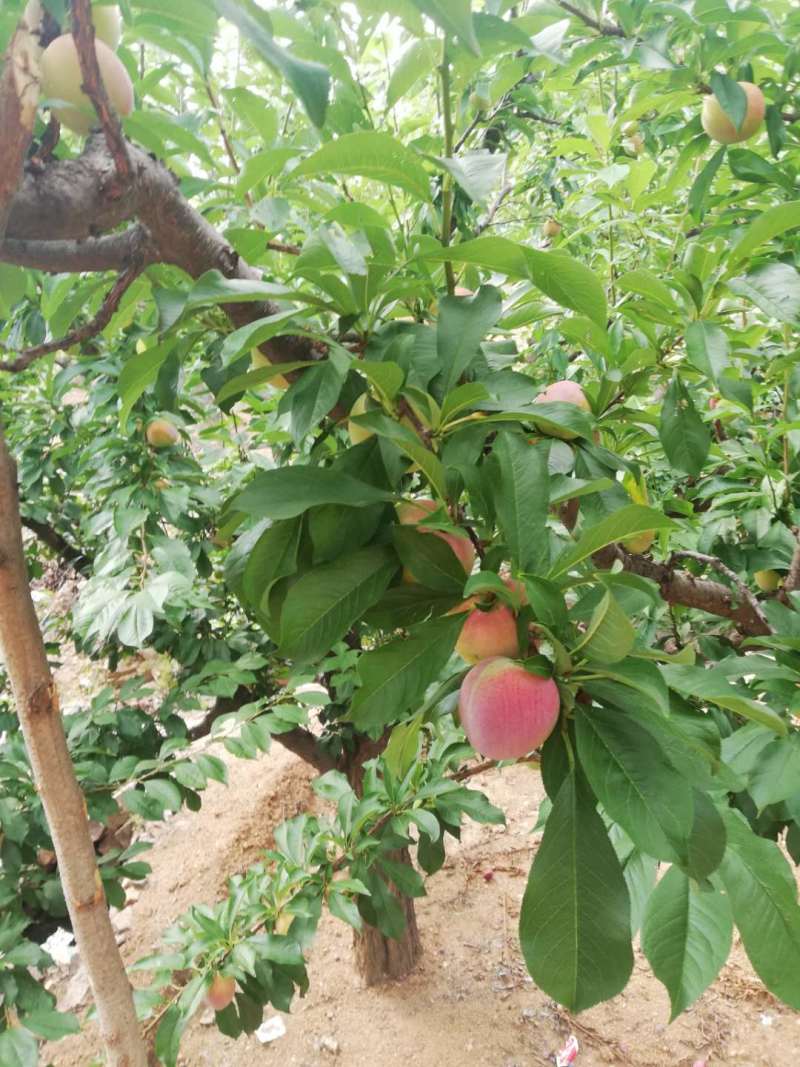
<point x="322" y="606"/>
<point x="462" y="325"/>
<point x="478" y="173"/>
<point x="416" y="63"/>
<point x="409" y="443"/>
<point x="763" y="896"/>
<point x="731" y="96"/>
<point x="289" y="491"/>
<point x="644" y="283"/>
<point x="273" y="556"/>
<point x="430" y="559"/>
<point x="620" y="525"/>
<point x="702" y="184"/>
<point x="401" y="750"/>
<point x="311" y="81"/>
<point x="455" y="18"/>
<point x="707" y="348"/>
<point x="521" y="484"/>
<point x="683" y="433"/>
<point x="242" y="382"/>
<point x="776" y="775"/>
<point x="634" y="781"/>
<point x="139" y="372"/>
<point x="564" y="279"/>
<point x="51" y="1025"/>
<point x="610" y="635"/>
<point x="774" y="222"/>
<point x="686" y="937"/>
<point x="18" y="1048"/>
<point x="344" y="908"/>
<point x="575" y="925"/>
<point x="370" y="154"/>
<point x="706" y="844"/>
<point x="749" y="166"/>
<point x="701" y="684"/>
<point x="165" y="791"/>
<point x="775" y="288"/>
<point x="256" y="333"/>
<point x="395" y="676"/>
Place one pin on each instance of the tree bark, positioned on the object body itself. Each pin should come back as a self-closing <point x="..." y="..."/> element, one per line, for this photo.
<point x="19" y="95"/>
<point x="377" y="958"/>
<point x="40" y="719"/>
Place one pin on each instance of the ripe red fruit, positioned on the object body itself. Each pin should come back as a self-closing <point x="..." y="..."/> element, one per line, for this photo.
<point x="486" y="633"/>
<point x="221" y="991"/>
<point x="412" y="512"/>
<point x="505" y="711"/>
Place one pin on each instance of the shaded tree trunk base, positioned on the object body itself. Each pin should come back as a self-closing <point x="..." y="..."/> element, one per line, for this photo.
<point x="380" y="959"/>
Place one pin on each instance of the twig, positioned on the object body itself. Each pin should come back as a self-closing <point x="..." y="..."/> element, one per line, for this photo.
<point x="279" y="246"/>
<point x="501" y="196"/>
<point x="793" y="577"/>
<point x="607" y="29"/>
<point x="82" y="333"/>
<point x="718" y="565"/>
<point x="58" y="544"/>
<point x="83" y="33"/>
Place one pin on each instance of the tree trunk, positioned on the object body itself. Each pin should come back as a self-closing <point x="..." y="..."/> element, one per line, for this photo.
<point x="378" y="958"/>
<point x="42" y="727"/>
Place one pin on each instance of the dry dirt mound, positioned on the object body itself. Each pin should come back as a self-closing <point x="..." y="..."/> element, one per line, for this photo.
<point x="471" y="1001"/>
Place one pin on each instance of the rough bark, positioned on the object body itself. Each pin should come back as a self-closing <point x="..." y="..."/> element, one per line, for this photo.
<point x="377" y="958"/>
<point x="40" y="719"/>
<point x="680" y="587"/>
<point x="19" y="96"/>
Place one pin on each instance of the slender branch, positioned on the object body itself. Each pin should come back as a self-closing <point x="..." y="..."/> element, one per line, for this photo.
<point x="680" y="587"/>
<point x="495" y="207"/>
<point x="447" y="183"/>
<point x="793" y="577"/>
<point x="36" y="698"/>
<point x="58" y="544"/>
<point x="718" y="565"/>
<point x="19" y="96"/>
<point x="607" y="29"/>
<point x="83" y="33"/>
<point x="82" y="333"/>
<point x="279" y="246"/>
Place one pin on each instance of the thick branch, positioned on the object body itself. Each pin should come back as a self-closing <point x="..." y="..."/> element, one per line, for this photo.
<point x="115" y="252"/>
<point x="58" y="544"/>
<point x="607" y="29"/>
<point x="83" y="33"/>
<point x="718" y="565"/>
<point x="19" y="96"/>
<point x="82" y="333"/>
<point x="680" y="587"/>
<point x="36" y="699"/>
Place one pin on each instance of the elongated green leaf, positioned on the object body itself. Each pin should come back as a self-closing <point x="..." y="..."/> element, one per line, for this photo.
<point x="463" y="323"/>
<point x="683" y="433"/>
<point x="686" y="937"/>
<point x="775" y="288"/>
<point x="763" y="895"/>
<point x="702" y="184"/>
<point x="772" y="223"/>
<point x="242" y="382"/>
<point x="430" y="559"/>
<point x="646" y="284"/>
<point x="706" y="844"/>
<point x="373" y="155"/>
<point x="622" y="524"/>
<point x="731" y="96"/>
<point x="634" y="781"/>
<point x="707" y="348"/>
<point x="322" y="606"/>
<point x="575" y="925"/>
<point x="395" y="676"/>
<point x="289" y="491"/>
<point x="521" y="487"/>
<point x="139" y="372"/>
<point x="416" y="63"/>
<point x="455" y="18"/>
<point x="255" y="333"/>
<point x="407" y="441"/>
<point x="311" y="81"/>
<point x="709" y="685"/>
<point x="610" y="634"/>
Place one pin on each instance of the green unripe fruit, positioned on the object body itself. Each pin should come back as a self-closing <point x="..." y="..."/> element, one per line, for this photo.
<point x="108" y="25"/>
<point x="767" y="581"/>
<point x="62" y="80"/>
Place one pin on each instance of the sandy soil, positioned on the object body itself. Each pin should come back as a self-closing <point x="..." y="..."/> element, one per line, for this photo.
<point x="471" y="1000"/>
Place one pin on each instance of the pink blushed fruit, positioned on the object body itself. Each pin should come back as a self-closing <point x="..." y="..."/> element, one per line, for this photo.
<point x="412" y="512"/>
<point x="505" y="711"/>
<point x="487" y="633"/>
<point x="564" y="392"/>
<point x="221" y="991"/>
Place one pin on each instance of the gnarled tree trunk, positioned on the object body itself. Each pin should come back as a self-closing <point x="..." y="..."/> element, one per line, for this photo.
<point x="379" y="958"/>
<point x="42" y="727"/>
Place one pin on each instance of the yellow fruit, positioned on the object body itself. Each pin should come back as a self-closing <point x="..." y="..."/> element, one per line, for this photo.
<point x="62" y="80"/>
<point x="636" y="143"/>
<point x="359" y="434"/>
<point x="258" y="359"/>
<point x="551" y="228"/>
<point x="720" y="128"/>
<point x="637" y="491"/>
<point x="162" y="434"/>
<point x="640" y="543"/>
<point x="767" y="581"/>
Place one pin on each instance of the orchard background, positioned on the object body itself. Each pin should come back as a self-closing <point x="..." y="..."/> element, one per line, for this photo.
<point x="411" y="385"/>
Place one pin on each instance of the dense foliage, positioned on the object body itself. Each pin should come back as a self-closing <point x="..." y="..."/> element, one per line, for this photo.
<point x="549" y="161"/>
